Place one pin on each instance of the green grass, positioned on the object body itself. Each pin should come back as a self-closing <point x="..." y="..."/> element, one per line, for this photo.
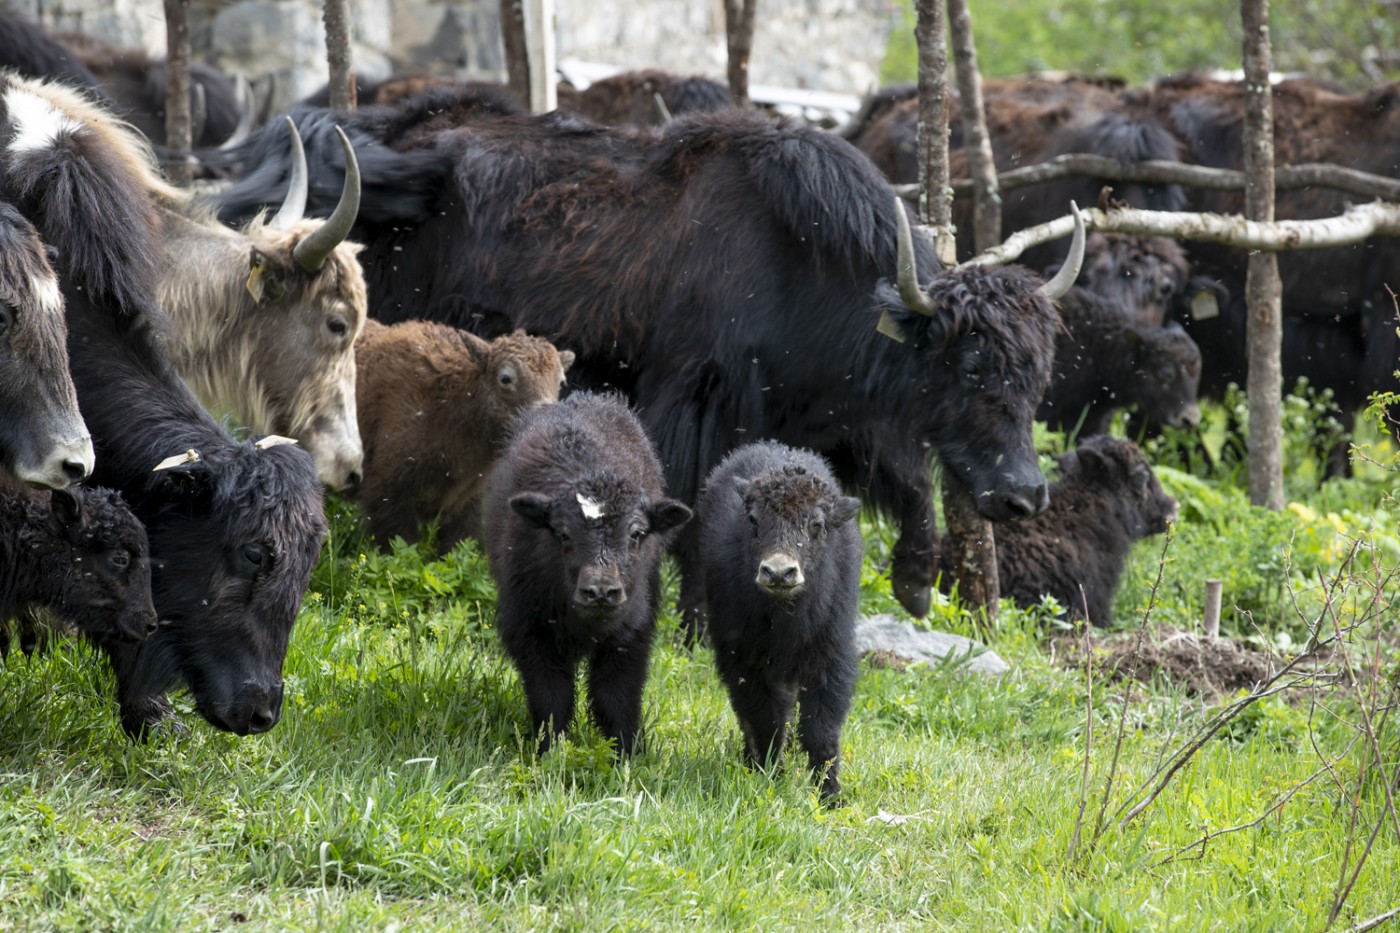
<point x="400" y="791"/>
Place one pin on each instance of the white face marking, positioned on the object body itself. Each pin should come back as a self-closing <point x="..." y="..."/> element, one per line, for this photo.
<point x="46" y="294"/>
<point x="589" y="507"/>
<point x="37" y="122"/>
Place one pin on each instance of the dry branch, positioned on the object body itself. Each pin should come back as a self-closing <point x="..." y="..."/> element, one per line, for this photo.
<point x="179" y="126"/>
<point x="339" y="57"/>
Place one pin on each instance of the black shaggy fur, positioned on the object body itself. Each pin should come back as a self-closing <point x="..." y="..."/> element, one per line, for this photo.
<point x="575" y="527"/>
<point x="1106" y="498"/>
<point x="1106" y="361"/>
<point x="781" y="565"/>
<point x="630" y="97"/>
<point x="723" y="271"/>
<point x="233" y="534"/>
<point x="32" y="52"/>
<point x="79" y="553"/>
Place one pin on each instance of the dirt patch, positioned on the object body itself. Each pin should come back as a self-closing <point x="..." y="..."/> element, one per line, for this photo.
<point x="1204" y="667"/>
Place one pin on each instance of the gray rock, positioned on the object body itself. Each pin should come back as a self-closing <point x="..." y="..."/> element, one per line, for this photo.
<point x="886" y="633"/>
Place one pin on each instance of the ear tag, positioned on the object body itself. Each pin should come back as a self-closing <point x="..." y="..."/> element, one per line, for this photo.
<point x="890" y="327"/>
<point x="189" y="456"/>
<point x="1204" y="306"/>
<point x="255" y="282"/>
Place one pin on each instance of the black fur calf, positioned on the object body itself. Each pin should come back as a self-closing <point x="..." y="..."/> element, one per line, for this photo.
<point x="575" y="527"/>
<point x="781" y="566"/>
<point x="79" y="553"/>
<point x="1106" y="498"/>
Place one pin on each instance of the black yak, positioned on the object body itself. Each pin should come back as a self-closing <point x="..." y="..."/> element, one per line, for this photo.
<point x="575" y="526"/>
<point x="724" y="271"/>
<point x="781" y="558"/>
<point x="234" y="527"/>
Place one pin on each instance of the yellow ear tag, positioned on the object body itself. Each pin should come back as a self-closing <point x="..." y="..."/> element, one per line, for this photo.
<point x="255" y="282"/>
<point x="888" y="326"/>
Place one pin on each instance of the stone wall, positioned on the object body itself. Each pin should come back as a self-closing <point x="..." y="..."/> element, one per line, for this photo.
<point x="830" y="45"/>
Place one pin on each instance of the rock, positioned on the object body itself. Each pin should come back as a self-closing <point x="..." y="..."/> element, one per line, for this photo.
<point x="885" y="633"/>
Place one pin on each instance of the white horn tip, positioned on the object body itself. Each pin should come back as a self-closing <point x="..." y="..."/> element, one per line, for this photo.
<point x="273" y="440"/>
<point x="189" y="456"/>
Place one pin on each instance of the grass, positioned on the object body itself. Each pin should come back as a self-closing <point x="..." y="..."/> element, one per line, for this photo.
<point x="400" y="792"/>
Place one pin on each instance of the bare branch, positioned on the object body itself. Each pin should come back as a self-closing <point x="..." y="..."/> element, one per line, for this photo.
<point x="1374" y="922"/>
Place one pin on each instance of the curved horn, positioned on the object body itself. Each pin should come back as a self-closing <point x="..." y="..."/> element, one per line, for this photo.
<point x="1055" y="288"/>
<point x="311" y="252"/>
<point x="914" y="298"/>
<point x="243" y="94"/>
<point x="294" y="204"/>
<point x="199" y="113"/>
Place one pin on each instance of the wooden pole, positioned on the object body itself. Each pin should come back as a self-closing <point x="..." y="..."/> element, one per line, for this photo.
<point x="336" y="16"/>
<point x="1210" y="623"/>
<point x="517" y="58"/>
<point x="179" y="130"/>
<point x="986" y="217"/>
<point x="738" y="32"/>
<point x="539" y="46"/>
<point x="1264" y="327"/>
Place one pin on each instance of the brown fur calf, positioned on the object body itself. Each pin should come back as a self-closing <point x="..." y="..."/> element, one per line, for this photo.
<point x="434" y="403"/>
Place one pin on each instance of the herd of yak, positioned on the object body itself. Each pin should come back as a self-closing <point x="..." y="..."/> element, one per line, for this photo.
<point x="708" y="284"/>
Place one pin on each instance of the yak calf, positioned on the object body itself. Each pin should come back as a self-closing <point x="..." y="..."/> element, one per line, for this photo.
<point x="1106" y="498"/>
<point x="575" y="527"/>
<point x="79" y="553"/>
<point x="781" y="566"/>
<point x="434" y="406"/>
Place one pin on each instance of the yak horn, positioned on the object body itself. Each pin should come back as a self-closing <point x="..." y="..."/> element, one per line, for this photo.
<point x="1055" y="288"/>
<point x="273" y="440"/>
<point x="294" y="204"/>
<point x="243" y="94"/>
<point x="169" y="463"/>
<point x="199" y="113"/>
<point x="914" y="297"/>
<point x="311" y="252"/>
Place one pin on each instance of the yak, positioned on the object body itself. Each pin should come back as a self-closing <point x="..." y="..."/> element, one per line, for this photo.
<point x="78" y="553"/>
<point x="435" y="406"/>
<point x="43" y="440"/>
<point x="234" y="527"/>
<point x="781" y="566"/>
<point x="727" y="272"/>
<point x="648" y="97"/>
<point x="575" y="526"/>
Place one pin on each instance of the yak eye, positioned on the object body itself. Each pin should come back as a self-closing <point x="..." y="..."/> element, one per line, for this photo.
<point x="7" y="318"/>
<point x="816" y="527"/>
<point x="256" y="554"/>
<point x="507" y="377"/>
<point x="338" y="326"/>
<point x="637" y="534"/>
<point x="119" y="560"/>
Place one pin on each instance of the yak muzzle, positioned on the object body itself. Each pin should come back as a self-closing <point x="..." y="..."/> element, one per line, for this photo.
<point x="780" y="574"/>
<point x="256" y="708"/>
<point x="599" y="589"/>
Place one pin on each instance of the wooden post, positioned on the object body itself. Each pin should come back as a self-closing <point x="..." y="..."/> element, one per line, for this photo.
<point x="738" y="34"/>
<point x="1210" y="623"/>
<point x="336" y="16"/>
<point x="517" y="58"/>
<point x="986" y="219"/>
<point x="1264" y="327"/>
<point x="179" y="129"/>
<point x="539" y="47"/>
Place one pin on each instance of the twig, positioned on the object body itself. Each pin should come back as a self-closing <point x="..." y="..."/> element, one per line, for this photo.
<point x="1374" y="922"/>
<point x="1088" y="728"/>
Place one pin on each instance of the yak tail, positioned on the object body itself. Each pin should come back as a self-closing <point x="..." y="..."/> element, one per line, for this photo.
<point x="698" y="418"/>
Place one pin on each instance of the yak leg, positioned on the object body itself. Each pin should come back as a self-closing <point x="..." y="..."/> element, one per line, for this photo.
<point x="142" y="710"/>
<point x="763" y="710"/>
<point x="546" y="675"/>
<point x="911" y="568"/>
<point x="824" y="708"/>
<point x="691" y="601"/>
<point x="616" y="677"/>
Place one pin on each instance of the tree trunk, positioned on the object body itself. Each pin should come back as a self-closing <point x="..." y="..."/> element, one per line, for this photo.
<point x="517" y="60"/>
<point x="986" y="215"/>
<point x="968" y="535"/>
<point x="178" y="123"/>
<point x="336" y="15"/>
<point x="539" y="49"/>
<point x="738" y="33"/>
<point x="1264" y="330"/>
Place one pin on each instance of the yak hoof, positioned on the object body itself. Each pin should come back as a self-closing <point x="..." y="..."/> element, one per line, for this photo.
<point x="915" y="598"/>
<point x="149" y="717"/>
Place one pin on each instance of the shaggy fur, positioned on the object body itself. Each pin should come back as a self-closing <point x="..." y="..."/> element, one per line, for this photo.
<point x="781" y="565"/>
<point x="282" y="363"/>
<point x="233" y="534"/>
<point x="1105" y="360"/>
<point x="725" y="273"/>
<point x="1106" y="498"/>
<point x="575" y="527"/>
<point x="630" y="97"/>
<point x="43" y="440"/>
<point x="434" y="406"/>
<point x="81" y="554"/>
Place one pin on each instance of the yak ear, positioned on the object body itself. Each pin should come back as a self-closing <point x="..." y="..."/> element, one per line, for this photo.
<point x="188" y="473"/>
<point x="67" y="510"/>
<point x="665" y="514"/>
<point x="566" y="359"/>
<point x="844" y="509"/>
<point x="1093" y="463"/>
<point x="741" y="486"/>
<point x="533" y="507"/>
<point x="477" y="348"/>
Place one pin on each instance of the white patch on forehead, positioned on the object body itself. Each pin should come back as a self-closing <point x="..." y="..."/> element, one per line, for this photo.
<point x="590" y="507"/>
<point x="46" y="294"/>
<point x="37" y="122"/>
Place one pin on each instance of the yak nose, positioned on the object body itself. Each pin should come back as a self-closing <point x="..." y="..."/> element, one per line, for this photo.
<point x="353" y="480"/>
<point x="779" y="572"/>
<point x="259" y="710"/>
<point x="1190" y="417"/>
<point x="599" y="590"/>
<point x="1021" y="502"/>
<point x="75" y="471"/>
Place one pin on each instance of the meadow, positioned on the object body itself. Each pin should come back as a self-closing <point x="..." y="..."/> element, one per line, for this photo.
<point x="400" y="790"/>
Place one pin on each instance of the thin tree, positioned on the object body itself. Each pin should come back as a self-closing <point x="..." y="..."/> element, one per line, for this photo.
<point x="179" y="128"/>
<point x="336" y="15"/>
<point x="738" y="34"/>
<point x="986" y="216"/>
<point x="517" y="59"/>
<point x="1264" y="329"/>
